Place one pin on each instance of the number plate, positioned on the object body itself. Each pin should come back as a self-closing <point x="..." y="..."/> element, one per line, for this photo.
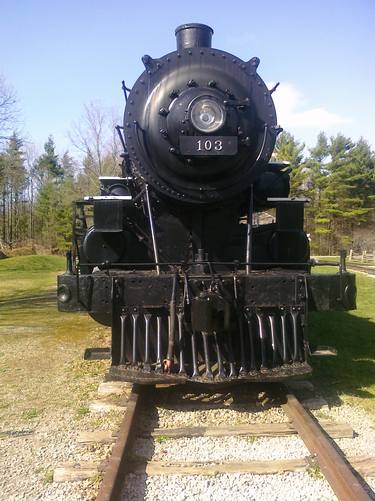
<point x="208" y="145"/>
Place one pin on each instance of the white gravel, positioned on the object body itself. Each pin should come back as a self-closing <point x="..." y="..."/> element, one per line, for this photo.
<point x="363" y="426"/>
<point x="234" y="487"/>
<point x="307" y="485"/>
<point x="27" y="462"/>
<point x="222" y="449"/>
<point x="216" y="417"/>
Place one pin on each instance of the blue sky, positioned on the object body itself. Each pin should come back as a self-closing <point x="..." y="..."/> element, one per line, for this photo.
<point x="60" y="55"/>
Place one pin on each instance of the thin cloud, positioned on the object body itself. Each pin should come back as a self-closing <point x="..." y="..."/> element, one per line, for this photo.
<point x="292" y="110"/>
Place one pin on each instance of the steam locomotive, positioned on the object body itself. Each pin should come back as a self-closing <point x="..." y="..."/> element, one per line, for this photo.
<point x="171" y="254"/>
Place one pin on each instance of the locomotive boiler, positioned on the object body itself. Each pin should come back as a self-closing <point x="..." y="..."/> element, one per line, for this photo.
<point x="171" y="254"/>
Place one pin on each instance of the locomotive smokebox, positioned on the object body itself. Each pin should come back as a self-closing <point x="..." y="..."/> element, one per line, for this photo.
<point x="193" y="35"/>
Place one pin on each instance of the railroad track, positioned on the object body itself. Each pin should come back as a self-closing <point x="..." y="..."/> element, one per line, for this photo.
<point x="358" y="267"/>
<point x="343" y="479"/>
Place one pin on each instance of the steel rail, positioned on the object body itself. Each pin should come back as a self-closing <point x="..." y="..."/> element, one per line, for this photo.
<point x="335" y="468"/>
<point x="343" y="479"/>
<point x="362" y="268"/>
<point x="113" y="481"/>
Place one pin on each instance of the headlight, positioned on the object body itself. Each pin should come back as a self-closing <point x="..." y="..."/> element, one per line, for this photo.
<point x="207" y="115"/>
<point x="63" y="293"/>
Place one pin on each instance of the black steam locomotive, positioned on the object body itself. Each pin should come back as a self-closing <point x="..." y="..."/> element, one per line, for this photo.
<point x="171" y="256"/>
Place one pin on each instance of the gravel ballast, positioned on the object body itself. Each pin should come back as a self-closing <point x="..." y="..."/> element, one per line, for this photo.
<point x="30" y="451"/>
<point x="27" y="462"/>
<point x="287" y="487"/>
<point x="223" y="449"/>
<point x="308" y="485"/>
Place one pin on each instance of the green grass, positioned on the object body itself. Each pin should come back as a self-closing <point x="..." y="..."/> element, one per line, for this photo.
<point x="31" y="414"/>
<point x="32" y="263"/>
<point x="41" y="350"/>
<point x="26" y="276"/>
<point x="48" y="476"/>
<point x="52" y="344"/>
<point x="350" y="375"/>
<point x="83" y="411"/>
<point x="160" y="439"/>
<point x="314" y="471"/>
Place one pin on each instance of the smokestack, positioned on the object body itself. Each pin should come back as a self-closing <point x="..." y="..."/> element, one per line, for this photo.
<point x="193" y="35"/>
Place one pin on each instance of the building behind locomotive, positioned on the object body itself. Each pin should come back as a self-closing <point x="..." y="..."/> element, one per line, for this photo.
<point x="168" y="254"/>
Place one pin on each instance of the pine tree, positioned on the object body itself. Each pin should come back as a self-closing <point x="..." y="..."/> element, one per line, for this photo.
<point x="49" y="174"/>
<point x="56" y="193"/>
<point x="68" y="193"/>
<point x="47" y="166"/>
<point x="67" y="165"/>
<point x="317" y="222"/>
<point x="320" y="151"/>
<point x="341" y="173"/>
<point x="289" y="150"/>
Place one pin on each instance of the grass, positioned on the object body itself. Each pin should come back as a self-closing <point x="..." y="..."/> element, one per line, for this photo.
<point x="250" y="439"/>
<point x="350" y="375"/>
<point x="97" y="479"/>
<point x="27" y="276"/>
<point x="314" y="470"/>
<point x="41" y="350"/>
<point x="161" y="439"/>
<point x="44" y="378"/>
<point x="319" y="414"/>
<point x="31" y="414"/>
<point x="48" y="476"/>
<point x="32" y="263"/>
<point x="83" y="411"/>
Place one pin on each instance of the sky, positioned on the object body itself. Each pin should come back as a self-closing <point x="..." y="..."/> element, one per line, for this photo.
<point x="59" y="56"/>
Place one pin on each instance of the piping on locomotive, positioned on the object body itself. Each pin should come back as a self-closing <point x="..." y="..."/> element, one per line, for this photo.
<point x="169" y="256"/>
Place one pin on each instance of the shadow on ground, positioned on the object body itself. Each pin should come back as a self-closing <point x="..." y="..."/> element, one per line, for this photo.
<point x="352" y="371"/>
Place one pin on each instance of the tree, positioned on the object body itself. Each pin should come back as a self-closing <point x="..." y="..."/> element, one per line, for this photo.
<point x="68" y="165"/>
<point x="321" y="150"/>
<point x="31" y="155"/>
<point x="56" y="191"/>
<point x="316" y="220"/>
<point x="12" y="185"/>
<point x="8" y="110"/>
<point x="341" y="175"/>
<point x="47" y="167"/>
<point x="94" y="137"/>
<point x="338" y="177"/>
<point x="289" y="150"/>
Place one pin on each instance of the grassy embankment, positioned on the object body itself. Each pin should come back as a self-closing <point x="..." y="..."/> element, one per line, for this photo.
<point x="41" y="364"/>
<point x="27" y="276"/>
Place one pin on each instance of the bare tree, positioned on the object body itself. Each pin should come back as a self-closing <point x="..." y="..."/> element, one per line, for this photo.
<point x="31" y="153"/>
<point x="8" y="109"/>
<point x="116" y="147"/>
<point x="93" y="135"/>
